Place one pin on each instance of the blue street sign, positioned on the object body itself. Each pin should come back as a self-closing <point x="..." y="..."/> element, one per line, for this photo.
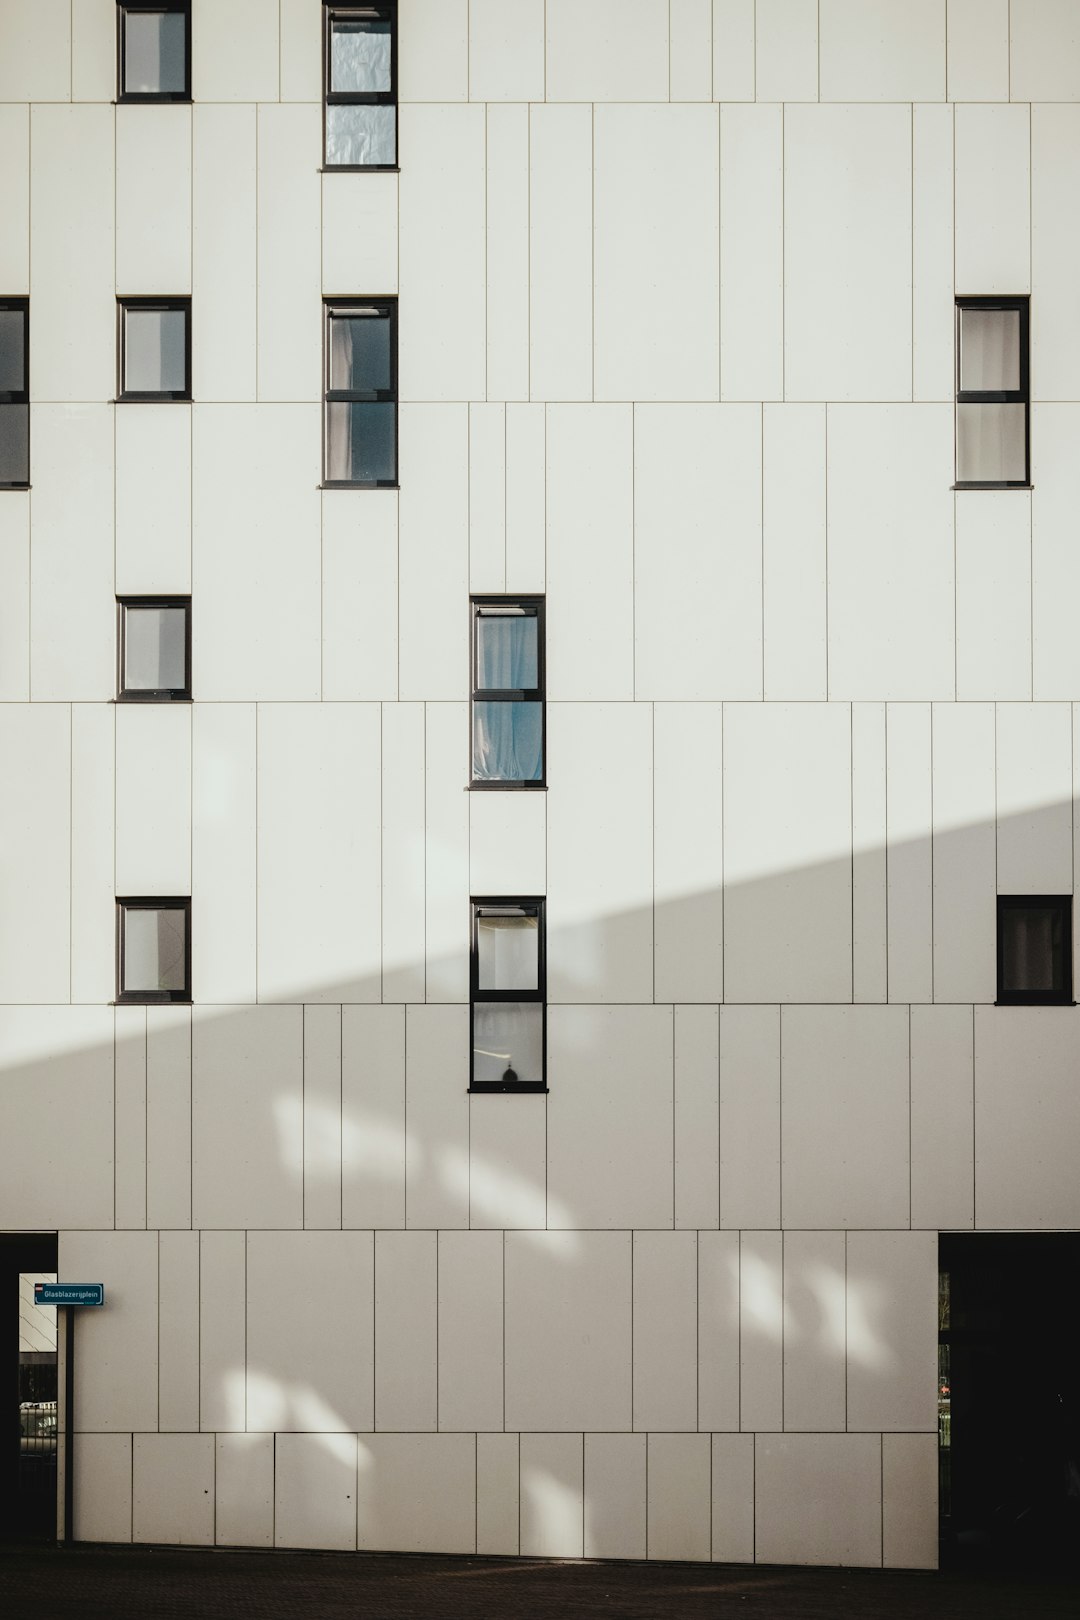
<point x="59" y="1293"/>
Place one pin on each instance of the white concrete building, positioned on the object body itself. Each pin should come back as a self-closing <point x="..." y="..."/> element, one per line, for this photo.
<point x="656" y="323"/>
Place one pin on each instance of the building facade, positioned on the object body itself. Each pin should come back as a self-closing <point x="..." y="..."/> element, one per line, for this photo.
<point x="663" y="295"/>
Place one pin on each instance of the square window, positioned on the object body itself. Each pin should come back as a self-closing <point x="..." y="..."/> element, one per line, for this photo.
<point x="360" y="86"/>
<point x="508" y="990"/>
<point x="1034" y="949"/>
<point x="153" y="950"/>
<point x="154" y="649"/>
<point x="155" y="349"/>
<point x="508" y="710"/>
<point x="361" y="394"/>
<point x="154" y="51"/>
<point x="992" y="393"/>
<point x="14" y="393"/>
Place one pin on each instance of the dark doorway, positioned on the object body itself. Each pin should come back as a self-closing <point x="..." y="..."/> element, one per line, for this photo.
<point x="1009" y="1398"/>
<point x="28" y="1390"/>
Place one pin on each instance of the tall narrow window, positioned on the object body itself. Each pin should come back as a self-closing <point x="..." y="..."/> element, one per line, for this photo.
<point x="992" y="393"/>
<point x="14" y="393"/>
<point x="361" y="393"/>
<point x="154" y="649"/>
<point x="508" y="995"/>
<point x="360" y="84"/>
<point x="1034" y="949"/>
<point x="154" y="341"/>
<point x="153" y="949"/>
<point x="153" y="46"/>
<point x="508" y="692"/>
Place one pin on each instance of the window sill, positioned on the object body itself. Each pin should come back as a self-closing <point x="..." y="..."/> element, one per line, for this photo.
<point x="153" y="697"/>
<point x="495" y="1088"/>
<point x="962" y="487"/>
<point x="150" y="998"/>
<point x="164" y="98"/>
<point x="1041" y="1001"/>
<point x="152" y="399"/>
<point x="506" y="787"/>
<point x="326" y="484"/>
<point x="14" y="486"/>
<point x="359" y="168"/>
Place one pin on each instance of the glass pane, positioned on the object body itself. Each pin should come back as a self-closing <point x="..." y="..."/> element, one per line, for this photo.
<point x="155" y="657"/>
<point x="1033" y="945"/>
<point x="508" y="1041"/>
<point x="360" y="136"/>
<point x="989" y="349"/>
<point x="155" y="360"/>
<point x="155" y="46"/>
<point x="360" y="353"/>
<point x="360" y="56"/>
<point x="154" y="949"/>
<point x="990" y="444"/>
<point x="506" y="652"/>
<point x="14" y="444"/>
<point x="508" y="741"/>
<point x="12" y="356"/>
<point x="360" y="443"/>
<point x="508" y="948"/>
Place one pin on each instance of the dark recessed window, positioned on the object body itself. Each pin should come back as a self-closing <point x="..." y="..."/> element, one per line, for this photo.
<point x="508" y="691"/>
<point x="155" y="348"/>
<point x="154" y="654"/>
<point x="153" y="949"/>
<point x="361" y="393"/>
<point x="360" y="85"/>
<point x="14" y="393"/>
<point x="154" y="51"/>
<point x="1034" y="949"/>
<point x="992" y="393"/>
<point x="508" y="990"/>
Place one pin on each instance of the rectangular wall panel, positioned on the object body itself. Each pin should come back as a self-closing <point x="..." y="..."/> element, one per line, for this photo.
<point x="289" y="315"/>
<point x="403" y="868"/>
<point x="965" y="856"/>
<point x="497" y="1510"/>
<point x="733" y="50"/>
<point x="932" y="224"/>
<point x="616" y="1468"/>
<point x="322" y="1117"/>
<point x="869" y="879"/>
<point x="690" y="62"/>
<point x="93" y="880"/>
<point x="153" y="200"/>
<point x="359" y="234"/>
<point x="1034" y="798"/>
<point x="224" y="305"/>
<point x="815" y="1331"/>
<point x="35" y="820"/>
<point x="749" y="1117"/>
<point x="359" y="594"/>
<point x="679" y="1496"/>
<point x="470" y="1336"/>
<point x="433" y="582"/>
<point x="506" y="50"/>
<point x="560" y="253"/>
<point x="993" y="595"/>
<point x="487" y="498"/>
<point x="223" y="852"/>
<point x="665" y="1330"/>
<point x="697" y="1117"/>
<point x="406" y="1331"/>
<point x="153" y="501"/>
<point x="1055" y="253"/>
<point x="751" y="249"/>
<point x="882" y="50"/>
<point x="447" y="857"/>
<point x="169" y="1146"/>
<point x="129" y="1129"/>
<point x="688" y="851"/>
<point x="526" y="497"/>
<point x="178" y="1307"/>
<point x="222" y="1331"/>
<point x="993" y="199"/>
<point x="15" y="199"/>
<point x="552" y="1509"/>
<point x="761" y="1330"/>
<point x="436" y="1117"/>
<point x="718" y="1330"/>
<point x="373" y="1147"/>
<point x="1055" y="566"/>
<point x="909" y="809"/>
<point x="787" y="50"/>
<point x="942" y="1118"/>
<point x="892" y="1284"/>
<point x="15" y="598"/>
<point x="794" y="591"/>
<point x="507" y="355"/>
<point x="153" y="799"/>
<point x="978" y="55"/>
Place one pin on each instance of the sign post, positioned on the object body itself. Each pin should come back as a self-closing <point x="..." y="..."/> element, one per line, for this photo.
<point x="69" y="1297"/>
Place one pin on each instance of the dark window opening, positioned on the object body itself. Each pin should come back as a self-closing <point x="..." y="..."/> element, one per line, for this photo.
<point x="154" y="341"/>
<point x="14" y="393"/>
<point x="360" y="86"/>
<point x="1034" y="949"/>
<point x="153" y="48"/>
<point x="508" y="995"/>
<point x="154" y="649"/>
<point x="992" y="393"/>
<point x="360" y="426"/>
<point x="153" y="949"/>
<point x="508" y="679"/>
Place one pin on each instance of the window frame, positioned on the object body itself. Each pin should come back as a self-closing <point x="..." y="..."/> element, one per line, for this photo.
<point x="165" y="396"/>
<point x="487" y="997"/>
<point x="1063" y="904"/>
<point x="494" y="694"/>
<point x="1021" y="302"/>
<point x="386" y="11"/>
<point x="152" y="998"/>
<point x="19" y="396"/>
<point x="146" y="694"/>
<point x="149" y="97"/>
<point x="335" y="306"/>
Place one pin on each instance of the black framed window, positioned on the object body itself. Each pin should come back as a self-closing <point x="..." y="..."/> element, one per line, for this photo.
<point x="508" y="995"/>
<point x="360" y="86"/>
<point x="1034" y="949"/>
<point x="508" y="709"/>
<point x="153" y="949"/>
<point x="153" y="51"/>
<point x="154" y="343"/>
<point x="153" y="649"/>
<point x="360" y="427"/>
<point x="14" y="393"/>
<point x="993" y="392"/>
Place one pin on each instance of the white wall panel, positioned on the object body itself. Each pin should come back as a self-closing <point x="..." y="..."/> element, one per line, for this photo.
<point x="818" y="1499"/>
<point x="470" y="1329"/>
<point x="965" y="858"/>
<point x="610" y="1127"/>
<point x="103" y="1487"/>
<point x="301" y="52"/>
<point x="656" y="224"/>
<point x="224" y="306"/>
<point x="787" y="50"/>
<point x="612" y="50"/>
<point x="718" y="1330"/>
<point x="847" y="247"/>
<point x="234" y="47"/>
<point x="497" y="1495"/>
<point x="244" y="1478"/>
<point x="417" y="1492"/>
<point x="1027" y="1116"/>
<point x="507" y="843"/>
<point x="993" y="199"/>
<point x="910" y="863"/>
<point x="15" y="199"/>
<point x="794" y="590"/>
<point x="679" y="1496"/>
<point x="129" y="1133"/>
<point x="690" y="61"/>
<point x="869" y="896"/>
<point x="506" y="50"/>
<point x="359" y="594"/>
<point x="697" y="1117"/>
<point x="447" y="851"/>
<point x="373" y="1141"/>
<point x="688" y="868"/>
<point x="247" y="1117"/>
<point x="815" y="1331"/>
<point x="526" y="497"/>
<point x="978" y="54"/>
<point x="882" y="50"/>
<point x="1034" y="798"/>
<point x="178" y="1324"/>
<point x="993" y="595"/>
<point x="322" y="1117"/>
<point x="116" y="1376"/>
<point x="433" y="50"/>
<point x="153" y="200"/>
<point x="153" y="500"/>
<point x="168" y="1116"/>
<point x="406" y="1330"/>
<point x="433" y="581"/>
<point x="288" y="208"/>
<point x="223" y="1331"/>
<point x="733" y="1498"/>
<point x="93" y="50"/>
<point x="932" y="224"/>
<point x="568" y="1333"/>
<point x="318" y="921"/>
<point x="487" y="498"/>
<point x="403" y="873"/>
<point x="172" y="1487"/>
<point x="697" y="560"/>
<point x="942" y="1117"/>
<point x="892" y="1283"/>
<point x="751" y="250"/>
<point x="223" y="851"/>
<point x="787" y="904"/>
<point x="891" y="590"/>
<point x="14" y="597"/>
<point x="437" y="1116"/>
<point x="507" y="1165"/>
<point x="733" y="45"/>
<point x="442" y="345"/>
<point x="37" y="54"/>
<point x="1045" y="50"/>
<point x="749" y="1116"/>
<point x="909" y="1493"/>
<point x="616" y="1469"/>
<point x="315" y="1491"/>
<point x="552" y="1490"/>
<point x="845" y="1117"/>
<point x="761" y="1330"/>
<point x="1055" y="566"/>
<point x="35" y="834"/>
<point x="359" y="234"/>
<point x="153" y="798"/>
<point x="665" y="1330"/>
<point x="560" y="253"/>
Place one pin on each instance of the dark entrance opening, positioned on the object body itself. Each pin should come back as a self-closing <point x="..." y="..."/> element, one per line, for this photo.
<point x="28" y="1390"/>
<point x="1009" y="1398"/>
